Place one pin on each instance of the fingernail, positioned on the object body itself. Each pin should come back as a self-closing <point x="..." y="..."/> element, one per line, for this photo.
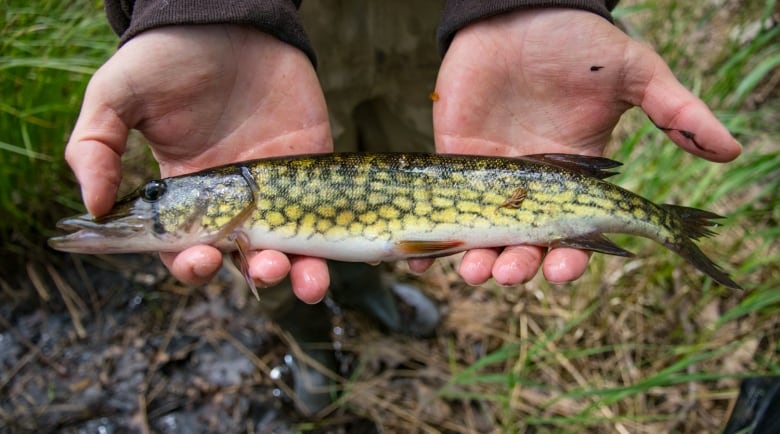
<point x="202" y="270"/>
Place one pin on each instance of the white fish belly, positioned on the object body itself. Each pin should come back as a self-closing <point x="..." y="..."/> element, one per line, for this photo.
<point x="357" y="248"/>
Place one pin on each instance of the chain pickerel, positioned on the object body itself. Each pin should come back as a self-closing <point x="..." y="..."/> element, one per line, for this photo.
<point x="383" y="207"/>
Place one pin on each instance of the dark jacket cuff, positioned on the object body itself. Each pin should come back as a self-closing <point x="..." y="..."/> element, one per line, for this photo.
<point x="460" y="13"/>
<point x="279" y="18"/>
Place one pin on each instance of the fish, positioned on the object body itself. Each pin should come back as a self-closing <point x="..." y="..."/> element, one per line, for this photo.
<point x="374" y="207"/>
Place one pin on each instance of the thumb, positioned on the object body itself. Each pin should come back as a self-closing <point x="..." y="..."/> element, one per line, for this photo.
<point x="95" y="147"/>
<point x="674" y="109"/>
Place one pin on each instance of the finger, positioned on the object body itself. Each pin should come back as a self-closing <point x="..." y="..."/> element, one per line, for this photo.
<point x="517" y="264"/>
<point x="309" y="278"/>
<point x="268" y="267"/>
<point x="477" y="264"/>
<point x="194" y="266"/>
<point x="564" y="265"/>
<point x="686" y="119"/>
<point x="98" y="170"/>
<point x="419" y="265"/>
<point x="94" y="150"/>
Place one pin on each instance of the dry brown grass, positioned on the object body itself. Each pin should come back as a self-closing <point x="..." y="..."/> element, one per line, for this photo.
<point x="636" y="346"/>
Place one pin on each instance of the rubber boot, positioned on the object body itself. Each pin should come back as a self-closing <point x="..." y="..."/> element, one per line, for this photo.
<point x="757" y="410"/>
<point x="399" y="307"/>
<point x="309" y="325"/>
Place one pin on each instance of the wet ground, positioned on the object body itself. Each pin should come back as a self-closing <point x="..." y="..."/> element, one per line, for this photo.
<point x="114" y="344"/>
<point x="92" y="350"/>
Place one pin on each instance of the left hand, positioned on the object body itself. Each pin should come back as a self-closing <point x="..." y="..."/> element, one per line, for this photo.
<point x="203" y="95"/>
<point x="522" y="83"/>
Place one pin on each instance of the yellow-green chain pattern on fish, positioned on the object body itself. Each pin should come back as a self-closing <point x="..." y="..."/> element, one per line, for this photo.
<point x="373" y="207"/>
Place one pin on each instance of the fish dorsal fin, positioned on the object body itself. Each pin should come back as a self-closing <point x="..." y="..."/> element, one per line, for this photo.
<point x="584" y="164"/>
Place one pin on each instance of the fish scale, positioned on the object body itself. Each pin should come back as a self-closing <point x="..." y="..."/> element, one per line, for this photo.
<point x="379" y="198"/>
<point x="382" y="207"/>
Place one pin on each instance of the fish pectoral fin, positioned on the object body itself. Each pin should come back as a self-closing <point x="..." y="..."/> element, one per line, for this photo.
<point x="595" y="242"/>
<point x="428" y="247"/>
<point x="239" y="257"/>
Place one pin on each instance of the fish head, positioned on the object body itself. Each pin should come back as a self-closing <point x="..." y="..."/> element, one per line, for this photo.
<point x="165" y="215"/>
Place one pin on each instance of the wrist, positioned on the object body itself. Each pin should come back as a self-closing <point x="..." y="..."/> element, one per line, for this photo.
<point x="461" y="13"/>
<point x="279" y="18"/>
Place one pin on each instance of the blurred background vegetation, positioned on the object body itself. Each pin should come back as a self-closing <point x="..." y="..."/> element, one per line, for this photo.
<point x="48" y="51"/>
<point x="645" y="345"/>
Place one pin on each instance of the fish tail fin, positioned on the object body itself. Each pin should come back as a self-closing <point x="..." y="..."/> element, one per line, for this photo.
<point x="695" y="224"/>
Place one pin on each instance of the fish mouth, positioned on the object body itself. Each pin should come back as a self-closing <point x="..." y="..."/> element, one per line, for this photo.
<point x="88" y="235"/>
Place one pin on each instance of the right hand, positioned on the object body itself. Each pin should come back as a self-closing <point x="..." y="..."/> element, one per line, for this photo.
<point x="521" y="83"/>
<point x="203" y="96"/>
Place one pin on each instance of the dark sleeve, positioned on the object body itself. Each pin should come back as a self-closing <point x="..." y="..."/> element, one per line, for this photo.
<point x="279" y="18"/>
<point x="459" y="13"/>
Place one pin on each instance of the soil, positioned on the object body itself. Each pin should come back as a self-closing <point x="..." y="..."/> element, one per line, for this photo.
<point x="95" y="350"/>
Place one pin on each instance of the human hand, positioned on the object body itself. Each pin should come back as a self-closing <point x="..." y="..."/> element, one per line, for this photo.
<point x="522" y="83"/>
<point x="203" y="96"/>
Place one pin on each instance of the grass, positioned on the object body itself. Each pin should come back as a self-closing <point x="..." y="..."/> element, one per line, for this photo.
<point x="640" y="345"/>
<point x="48" y="51"/>
<point x="645" y="345"/>
<point x="649" y="345"/>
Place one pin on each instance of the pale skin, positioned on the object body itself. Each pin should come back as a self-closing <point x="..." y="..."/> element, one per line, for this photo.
<point x="515" y="84"/>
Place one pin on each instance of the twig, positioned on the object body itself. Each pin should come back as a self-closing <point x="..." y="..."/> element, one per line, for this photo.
<point x="93" y="298"/>
<point x="375" y="402"/>
<point x="692" y="369"/>
<point x="35" y="279"/>
<point x="144" y="421"/>
<point x="262" y="366"/>
<point x="5" y="417"/>
<point x="15" y="370"/>
<point x="143" y="408"/>
<point x="72" y="301"/>
<point x="34" y="349"/>
<point x="579" y="378"/>
<point x="158" y="358"/>
<point x="306" y="359"/>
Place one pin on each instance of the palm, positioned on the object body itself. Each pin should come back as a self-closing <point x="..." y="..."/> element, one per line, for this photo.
<point x="555" y="81"/>
<point x="558" y="80"/>
<point x="222" y="94"/>
<point x="537" y="90"/>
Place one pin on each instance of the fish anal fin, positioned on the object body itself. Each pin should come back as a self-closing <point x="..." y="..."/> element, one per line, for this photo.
<point x="427" y="247"/>
<point x="241" y="261"/>
<point x="595" y="242"/>
<point x="691" y="253"/>
<point x="583" y="164"/>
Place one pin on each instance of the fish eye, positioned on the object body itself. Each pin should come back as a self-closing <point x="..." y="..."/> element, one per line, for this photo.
<point x="153" y="190"/>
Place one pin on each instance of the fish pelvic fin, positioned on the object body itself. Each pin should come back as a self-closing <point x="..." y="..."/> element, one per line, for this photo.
<point x="695" y="224"/>
<point x="595" y="242"/>
<point x="241" y="261"/>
